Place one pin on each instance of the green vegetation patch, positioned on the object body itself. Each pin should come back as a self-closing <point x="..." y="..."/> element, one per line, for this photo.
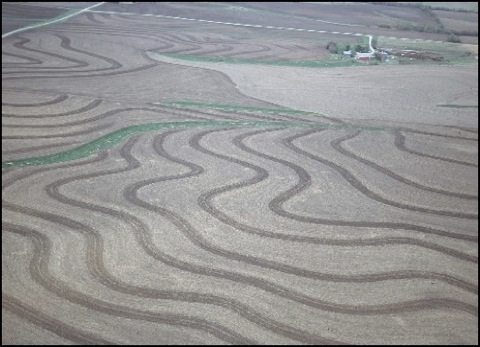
<point x="297" y="63"/>
<point x="188" y="103"/>
<point x="109" y="140"/>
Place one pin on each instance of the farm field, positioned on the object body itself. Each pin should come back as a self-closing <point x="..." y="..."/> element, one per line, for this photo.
<point x="209" y="173"/>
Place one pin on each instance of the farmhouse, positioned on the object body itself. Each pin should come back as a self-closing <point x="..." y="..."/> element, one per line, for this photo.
<point x="363" y="56"/>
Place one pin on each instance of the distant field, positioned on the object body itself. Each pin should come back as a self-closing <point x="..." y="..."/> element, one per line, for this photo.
<point x="466" y="6"/>
<point x="459" y="21"/>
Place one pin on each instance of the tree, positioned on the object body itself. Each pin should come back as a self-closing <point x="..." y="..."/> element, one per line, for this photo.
<point x="453" y="38"/>
<point x="332" y="47"/>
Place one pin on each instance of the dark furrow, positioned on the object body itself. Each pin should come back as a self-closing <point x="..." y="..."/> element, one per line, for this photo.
<point x="91" y="18"/>
<point x="66" y="44"/>
<point x="178" y="49"/>
<point x="225" y="48"/>
<point x="120" y="32"/>
<point x="305" y="181"/>
<point x="96" y="118"/>
<point x="95" y="103"/>
<point x="233" y="114"/>
<point x="21" y="45"/>
<point x="24" y="57"/>
<point x="352" y="180"/>
<point x="470" y="130"/>
<point x="46" y="322"/>
<point x="110" y="30"/>
<point x="41" y="274"/>
<point x="95" y="258"/>
<point x="407" y="130"/>
<point x="218" y="115"/>
<point x="235" y="54"/>
<point x="36" y="148"/>
<point x="205" y="201"/>
<point x="110" y="281"/>
<point x="131" y="194"/>
<point x="140" y="68"/>
<point x="74" y="133"/>
<point x="400" y="144"/>
<point x="57" y="100"/>
<point x="336" y="144"/>
<point x="176" y="38"/>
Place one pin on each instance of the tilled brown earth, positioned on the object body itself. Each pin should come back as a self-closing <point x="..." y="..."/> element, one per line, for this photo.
<point x="148" y="202"/>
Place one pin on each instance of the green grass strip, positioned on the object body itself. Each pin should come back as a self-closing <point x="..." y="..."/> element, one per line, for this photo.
<point x="297" y="63"/>
<point x="111" y="139"/>
<point x="188" y="103"/>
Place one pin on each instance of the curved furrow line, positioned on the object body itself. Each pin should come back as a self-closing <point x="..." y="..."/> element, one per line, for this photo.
<point x="336" y="144"/>
<point x="41" y="274"/>
<point x="195" y="170"/>
<point x="215" y="49"/>
<point x="126" y="71"/>
<point x="218" y="115"/>
<point x="354" y="182"/>
<point x="30" y="60"/>
<point x="57" y="100"/>
<point x="176" y="38"/>
<point x="91" y="17"/>
<point x="98" y="117"/>
<point x="70" y="134"/>
<point x="120" y="32"/>
<point x="105" y="30"/>
<point x="470" y="130"/>
<point x="109" y="281"/>
<point x="44" y="321"/>
<point x="400" y="144"/>
<point x="233" y="114"/>
<point x="261" y="50"/>
<point x="287" y="48"/>
<point x="177" y="49"/>
<point x="66" y="44"/>
<point x="131" y="194"/>
<point x="206" y="39"/>
<point x="146" y="241"/>
<point x="95" y="103"/>
<point x="36" y="148"/>
<point x="305" y="181"/>
<point x="205" y="201"/>
<point x="177" y="44"/>
<point x="276" y="117"/>
<point x="407" y="130"/>
<point x="247" y="312"/>
<point x="21" y="45"/>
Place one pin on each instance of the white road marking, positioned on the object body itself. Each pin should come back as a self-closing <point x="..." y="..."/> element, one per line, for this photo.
<point x="244" y="25"/>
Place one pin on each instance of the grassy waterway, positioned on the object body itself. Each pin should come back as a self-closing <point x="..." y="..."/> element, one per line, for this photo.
<point x="109" y="140"/>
